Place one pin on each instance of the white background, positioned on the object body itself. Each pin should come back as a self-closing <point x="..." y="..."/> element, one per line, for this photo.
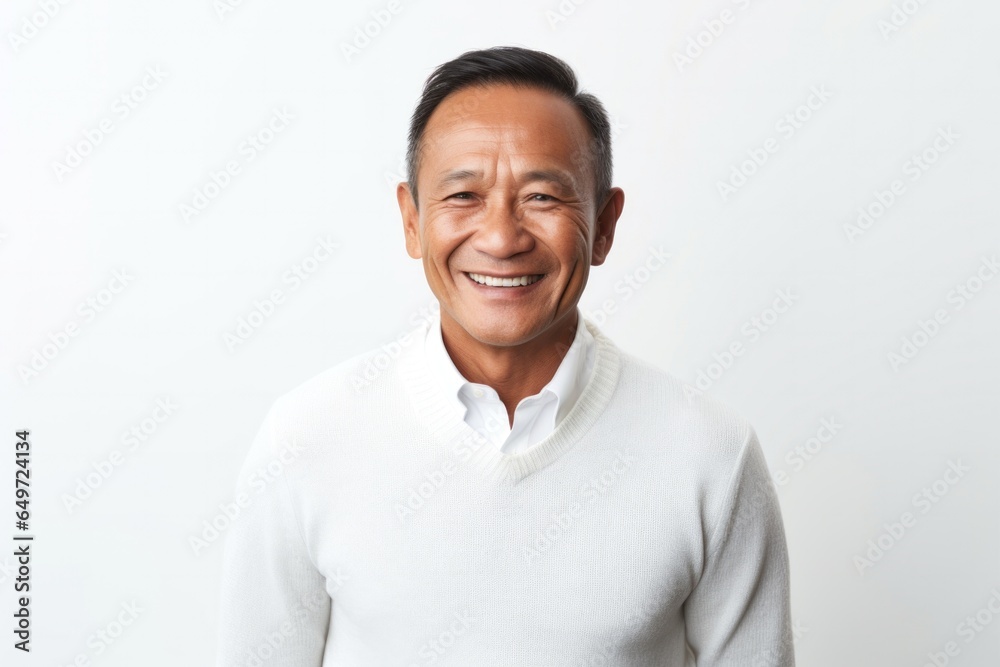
<point x="681" y="129"/>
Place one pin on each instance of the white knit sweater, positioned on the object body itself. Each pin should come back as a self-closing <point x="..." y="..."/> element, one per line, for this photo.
<point x="378" y="530"/>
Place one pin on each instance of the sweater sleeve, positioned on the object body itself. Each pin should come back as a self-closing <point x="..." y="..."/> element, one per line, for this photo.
<point x="738" y="614"/>
<point x="275" y="609"/>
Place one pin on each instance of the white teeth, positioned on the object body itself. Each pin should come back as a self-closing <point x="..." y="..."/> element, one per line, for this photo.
<point x="503" y="282"/>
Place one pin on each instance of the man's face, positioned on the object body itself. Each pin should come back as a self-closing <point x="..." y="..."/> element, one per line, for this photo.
<point x="506" y="190"/>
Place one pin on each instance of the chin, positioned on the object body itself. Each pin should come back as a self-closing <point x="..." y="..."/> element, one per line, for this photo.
<point x="501" y="330"/>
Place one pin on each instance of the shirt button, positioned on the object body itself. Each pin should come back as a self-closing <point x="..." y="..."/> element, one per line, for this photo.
<point x="477" y="392"/>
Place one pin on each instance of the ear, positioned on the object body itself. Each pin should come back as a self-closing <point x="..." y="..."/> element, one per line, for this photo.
<point x="607" y="219"/>
<point x="411" y="220"/>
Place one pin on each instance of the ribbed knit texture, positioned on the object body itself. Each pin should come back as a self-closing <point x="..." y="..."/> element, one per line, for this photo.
<point x="380" y="530"/>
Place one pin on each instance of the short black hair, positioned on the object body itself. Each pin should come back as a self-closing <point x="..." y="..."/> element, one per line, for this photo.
<point x="514" y="66"/>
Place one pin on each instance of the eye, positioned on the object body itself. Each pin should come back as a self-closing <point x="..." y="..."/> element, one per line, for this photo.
<point x="460" y="195"/>
<point x="542" y="197"/>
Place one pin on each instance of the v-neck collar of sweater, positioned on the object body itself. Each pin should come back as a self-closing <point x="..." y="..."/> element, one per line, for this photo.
<point x="434" y="409"/>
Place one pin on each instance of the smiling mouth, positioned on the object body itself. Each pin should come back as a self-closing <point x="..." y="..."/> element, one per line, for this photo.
<point x="513" y="281"/>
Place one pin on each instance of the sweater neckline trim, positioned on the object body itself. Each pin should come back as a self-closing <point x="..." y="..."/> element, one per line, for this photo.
<point x="440" y="417"/>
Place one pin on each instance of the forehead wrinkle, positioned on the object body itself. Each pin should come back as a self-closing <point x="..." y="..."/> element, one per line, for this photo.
<point x="490" y="154"/>
<point x="457" y="175"/>
<point x="560" y="178"/>
<point x="497" y="145"/>
<point x="566" y="181"/>
<point x="551" y="167"/>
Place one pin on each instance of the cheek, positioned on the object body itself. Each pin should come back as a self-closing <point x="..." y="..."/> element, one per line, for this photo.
<point x="572" y="239"/>
<point x="451" y="222"/>
<point x="442" y="234"/>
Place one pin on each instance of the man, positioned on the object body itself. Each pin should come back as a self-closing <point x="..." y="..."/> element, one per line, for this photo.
<point x="508" y="487"/>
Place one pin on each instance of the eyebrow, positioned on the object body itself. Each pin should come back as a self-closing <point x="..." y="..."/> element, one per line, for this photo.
<point x="457" y="175"/>
<point x="558" y="177"/>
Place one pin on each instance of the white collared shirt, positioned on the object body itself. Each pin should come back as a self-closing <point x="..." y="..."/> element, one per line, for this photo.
<point x="536" y="416"/>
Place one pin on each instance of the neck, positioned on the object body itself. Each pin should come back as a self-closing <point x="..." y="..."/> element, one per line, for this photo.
<point x="514" y="371"/>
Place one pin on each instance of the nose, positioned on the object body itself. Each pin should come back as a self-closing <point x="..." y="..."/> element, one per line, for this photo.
<point x="500" y="231"/>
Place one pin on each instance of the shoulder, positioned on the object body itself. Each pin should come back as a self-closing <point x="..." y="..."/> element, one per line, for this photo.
<point x="705" y="446"/>
<point x="347" y="386"/>
<point x="687" y="417"/>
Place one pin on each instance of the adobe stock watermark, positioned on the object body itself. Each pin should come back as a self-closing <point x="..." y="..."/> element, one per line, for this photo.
<point x="434" y="648"/>
<point x="786" y="127"/>
<point x="640" y="616"/>
<point x="219" y="179"/>
<point x="752" y="330"/>
<point x="225" y="7"/>
<point x="310" y="604"/>
<point x="927" y="329"/>
<point x="76" y="152"/>
<point x="464" y="106"/>
<point x="417" y="495"/>
<point x="105" y="637"/>
<point x="913" y="168"/>
<point x="711" y="31"/>
<point x="900" y="15"/>
<point x="592" y="489"/>
<point x="259" y="480"/>
<point x="397" y="174"/>
<point x="40" y="358"/>
<point x="971" y="627"/>
<point x="583" y="157"/>
<point x="629" y="284"/>
<point x="131" y="439"/>
<point x="364" y="34"/>
<point x="32" y="24"/>
<point x="7" y="570"/>
<point x="561" y="12"/>
<point x="377" y="363"/>
<point x="759" y="493"/>
<point x="774" y="656"/>
<point x="648" y="612"/>
<point x="801" y="454"/>
<point x="924" y="501"/>
<point x="264" y="308"/>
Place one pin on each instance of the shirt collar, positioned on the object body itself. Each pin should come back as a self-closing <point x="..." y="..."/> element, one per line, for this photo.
<point x="566" y="385"/>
